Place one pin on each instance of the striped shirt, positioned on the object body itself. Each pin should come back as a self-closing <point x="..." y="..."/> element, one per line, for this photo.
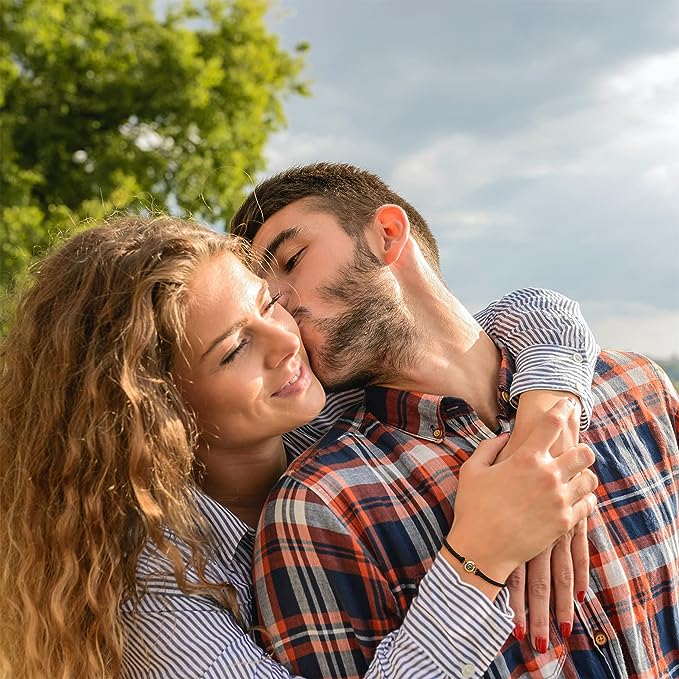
<point x="175" y="635"/>
<point x="357" y="520"/>
<point x="172" y="634"/>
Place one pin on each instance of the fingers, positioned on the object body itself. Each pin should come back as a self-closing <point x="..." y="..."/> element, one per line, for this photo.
<point x="572" y="461"/>
<point x="549" y="427"/>
<point x="579" y="486"/>
<point x="584" y="507"/>
<point x="562" y="583"/>
<point x="516" y="584"/>
<point x="580" y="557"/>
<point x="538" y="586"/>
<point x="488" y="450"/>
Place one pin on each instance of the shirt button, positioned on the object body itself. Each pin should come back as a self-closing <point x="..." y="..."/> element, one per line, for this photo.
<point x="468" y="670"/>
<point x="600" y="639"/>
<point x="577" y="358"/>
<point x="438" y="433"/>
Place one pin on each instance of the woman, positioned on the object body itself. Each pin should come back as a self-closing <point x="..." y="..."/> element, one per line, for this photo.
<point x="139" y="440"/>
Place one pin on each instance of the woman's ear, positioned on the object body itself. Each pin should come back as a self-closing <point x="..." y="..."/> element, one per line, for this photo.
<point x="391" y="230"/>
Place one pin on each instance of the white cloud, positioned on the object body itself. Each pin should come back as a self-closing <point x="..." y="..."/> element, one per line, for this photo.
<point x="647" y="331"/>
<point x="630" y="126"/>
<point x="287" y="148"/>
<point x="543" y="150"/>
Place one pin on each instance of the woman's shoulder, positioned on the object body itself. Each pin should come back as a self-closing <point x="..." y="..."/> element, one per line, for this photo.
<point x="226" y="558"/>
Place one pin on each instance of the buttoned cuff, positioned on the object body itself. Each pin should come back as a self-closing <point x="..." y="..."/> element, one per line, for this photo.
<point x="457" y="625"/>
<point x="558" y="368"/>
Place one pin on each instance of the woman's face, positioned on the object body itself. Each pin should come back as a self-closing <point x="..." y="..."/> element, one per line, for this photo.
<point x="243" y="371"/>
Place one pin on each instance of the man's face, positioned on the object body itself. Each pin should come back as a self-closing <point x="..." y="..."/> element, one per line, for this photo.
<point x="338" y="292"/>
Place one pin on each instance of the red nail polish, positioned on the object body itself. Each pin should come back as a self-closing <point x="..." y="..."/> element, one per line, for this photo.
<point x="581" y="597"/>
<point x="519" y="632"/>
<point x="541" y="644"/>
<point x="565" y="629"/>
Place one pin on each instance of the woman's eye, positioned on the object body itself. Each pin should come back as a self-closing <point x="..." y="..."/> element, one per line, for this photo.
<point x="292" y="262"/>
<point x="271" y="304"/>
<point x="232" y="354"/>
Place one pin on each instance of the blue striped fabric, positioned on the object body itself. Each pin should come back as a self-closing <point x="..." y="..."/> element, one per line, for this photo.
<point x="171" y="634"/>
<point x="450" y="628"/>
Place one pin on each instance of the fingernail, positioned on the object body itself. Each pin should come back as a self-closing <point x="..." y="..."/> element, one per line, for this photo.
<point x="565" y="629"/>
<point x="581" y="597"/>
<point x="519" y="632"/>
<point x="572" y="402"/>
<point x="541" y="644"/>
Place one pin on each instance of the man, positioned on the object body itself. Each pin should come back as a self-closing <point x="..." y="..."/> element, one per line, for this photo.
<point x="358" y="268"/>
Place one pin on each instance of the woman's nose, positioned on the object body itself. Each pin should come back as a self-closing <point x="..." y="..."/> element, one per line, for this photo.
<point x="283" y="344"/>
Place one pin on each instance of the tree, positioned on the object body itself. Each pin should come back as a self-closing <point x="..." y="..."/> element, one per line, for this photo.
<point x="105" y="104"/>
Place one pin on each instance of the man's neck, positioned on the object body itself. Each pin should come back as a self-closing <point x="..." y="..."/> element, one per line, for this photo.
<point x="453" y="356"/>
<point x="242" y="479"/>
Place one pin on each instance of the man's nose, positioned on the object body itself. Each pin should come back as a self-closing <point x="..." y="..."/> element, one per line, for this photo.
<point x="289" y="299"/>
<point x="278" y="287"/>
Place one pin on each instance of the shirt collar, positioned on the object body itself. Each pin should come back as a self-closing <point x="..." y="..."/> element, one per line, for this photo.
<point x="424" y="415"/>
<point x="227" y="530"/>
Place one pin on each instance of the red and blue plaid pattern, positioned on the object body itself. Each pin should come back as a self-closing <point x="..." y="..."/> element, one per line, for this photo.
<point x="355" y="523"/>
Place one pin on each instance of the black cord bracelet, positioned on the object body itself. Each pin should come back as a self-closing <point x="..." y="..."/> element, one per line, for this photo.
<point x="470" y="566"/>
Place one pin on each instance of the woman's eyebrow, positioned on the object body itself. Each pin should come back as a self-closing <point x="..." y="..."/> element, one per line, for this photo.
<point x="236" y="326"/>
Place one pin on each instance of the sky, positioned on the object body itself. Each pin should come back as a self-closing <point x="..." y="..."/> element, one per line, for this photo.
<point x="539" y="138"/>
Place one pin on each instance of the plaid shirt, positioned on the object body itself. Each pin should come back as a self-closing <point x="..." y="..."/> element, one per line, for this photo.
<point x="356" y="521"/>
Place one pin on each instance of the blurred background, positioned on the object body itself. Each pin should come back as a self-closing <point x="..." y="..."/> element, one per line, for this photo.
<point x="540" y="138"/>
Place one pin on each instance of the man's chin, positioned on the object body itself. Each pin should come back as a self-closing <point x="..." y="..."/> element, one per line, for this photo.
<point x="337" y="383"/>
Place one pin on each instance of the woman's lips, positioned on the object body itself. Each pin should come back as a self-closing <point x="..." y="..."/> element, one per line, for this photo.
<point x="297" y="384"/>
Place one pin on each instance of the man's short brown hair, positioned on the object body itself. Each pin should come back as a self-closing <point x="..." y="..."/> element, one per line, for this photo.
<point x="349" y="193"/>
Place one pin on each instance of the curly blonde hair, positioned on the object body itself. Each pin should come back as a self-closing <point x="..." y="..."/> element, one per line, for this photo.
<point x="96" y="445"/>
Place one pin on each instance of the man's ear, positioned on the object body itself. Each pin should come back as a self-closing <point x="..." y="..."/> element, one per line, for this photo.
<point x="391" y="229"/>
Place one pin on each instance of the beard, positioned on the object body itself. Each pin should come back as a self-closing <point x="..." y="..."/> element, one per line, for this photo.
<point x="375" y="338"/>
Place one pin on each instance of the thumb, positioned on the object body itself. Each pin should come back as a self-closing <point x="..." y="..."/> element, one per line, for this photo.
<point x="488" y="450"/>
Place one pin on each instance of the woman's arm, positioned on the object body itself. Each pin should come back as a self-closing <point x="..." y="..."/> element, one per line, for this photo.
<point x="551" y="344"/>
<point x="173" y="634"/>
<point x="555" y="353"/>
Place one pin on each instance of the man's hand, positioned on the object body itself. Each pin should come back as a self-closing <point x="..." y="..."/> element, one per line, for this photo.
<point x="562" y="571"/>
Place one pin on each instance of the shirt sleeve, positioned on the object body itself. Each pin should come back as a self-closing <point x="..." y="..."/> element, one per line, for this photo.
<point x="192" y="639"/>
<point x="175" y="635"/>
<point x="549" y="340"/>
<point x="329" y="612"/>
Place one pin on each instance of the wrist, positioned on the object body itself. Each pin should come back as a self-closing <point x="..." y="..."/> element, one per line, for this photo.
<point x="470" y="566"/>
<point x="532" y="405"/>
<point x="489" y="560"/>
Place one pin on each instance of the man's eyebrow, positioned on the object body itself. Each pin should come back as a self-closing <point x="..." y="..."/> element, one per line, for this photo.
<point x="283" y="237"/>
<point x="236" y="326"/>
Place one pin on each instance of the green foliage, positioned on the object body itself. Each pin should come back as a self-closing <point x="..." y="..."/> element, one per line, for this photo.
<point x="671" y="367"/>
<point x="105" y="105"/>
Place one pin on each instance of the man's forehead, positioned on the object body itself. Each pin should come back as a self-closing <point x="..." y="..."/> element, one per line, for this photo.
<point x="290" y="217"/>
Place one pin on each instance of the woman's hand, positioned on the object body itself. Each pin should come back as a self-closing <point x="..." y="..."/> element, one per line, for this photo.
<point x="561" y="571"/>
<point x="507" y="513"/>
